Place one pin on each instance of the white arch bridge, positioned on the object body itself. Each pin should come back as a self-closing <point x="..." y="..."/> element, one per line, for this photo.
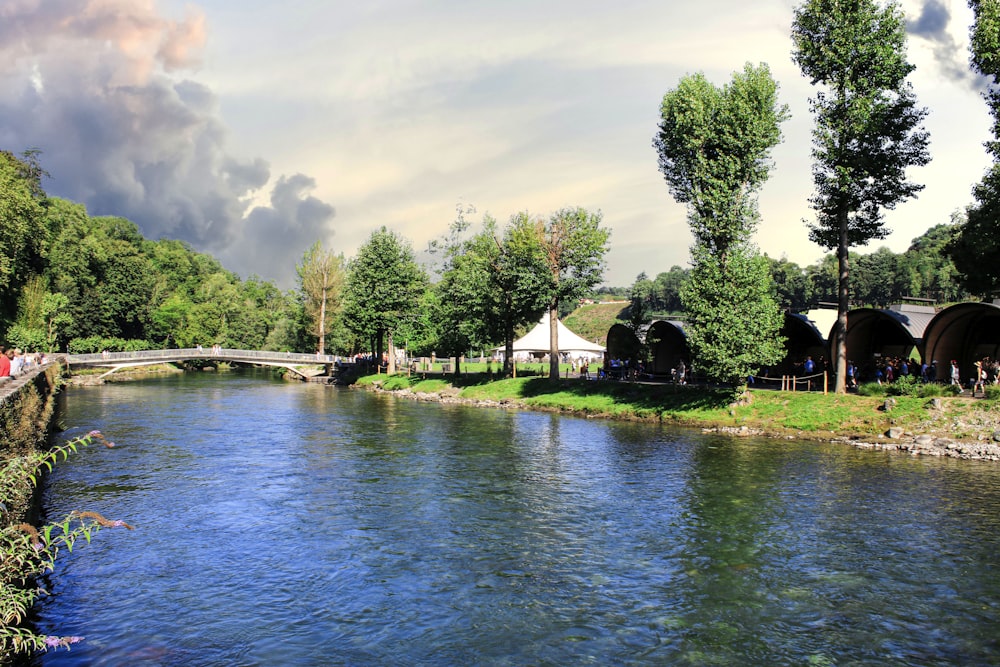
<point x="300" y="364"/>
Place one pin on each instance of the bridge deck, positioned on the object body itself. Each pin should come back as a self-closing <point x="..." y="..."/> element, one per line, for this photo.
<point x="117" y="360"/>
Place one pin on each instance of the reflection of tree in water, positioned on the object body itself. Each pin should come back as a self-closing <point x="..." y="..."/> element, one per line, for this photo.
<point x="731" y="509"/>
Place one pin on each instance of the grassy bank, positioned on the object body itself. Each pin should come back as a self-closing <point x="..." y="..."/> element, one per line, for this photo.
<point x="780" y="413"/>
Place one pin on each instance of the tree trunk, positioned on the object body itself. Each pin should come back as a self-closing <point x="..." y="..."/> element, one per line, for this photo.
<point x="843" y="304"/>
<point x="391" y="367"/>
<point x="508" y="349"/>
<point x="554" y="342"/>
<point x="322" y="325"/>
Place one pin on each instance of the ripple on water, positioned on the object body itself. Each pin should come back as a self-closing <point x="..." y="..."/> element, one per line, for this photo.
<point x="333" y="527"/>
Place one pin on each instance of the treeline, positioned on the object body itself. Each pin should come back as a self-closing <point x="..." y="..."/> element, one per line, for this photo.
<point x="78" y="283"/>
<point x="879" y="279"/>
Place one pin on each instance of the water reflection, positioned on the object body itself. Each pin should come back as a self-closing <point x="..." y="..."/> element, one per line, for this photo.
<point x="297" y="524"/>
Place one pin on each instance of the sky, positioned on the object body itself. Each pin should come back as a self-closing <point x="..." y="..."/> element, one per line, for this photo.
<point x="254" y="129"/>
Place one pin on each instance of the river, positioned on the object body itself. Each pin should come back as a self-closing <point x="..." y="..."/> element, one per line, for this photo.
<point x="294" y="524"/>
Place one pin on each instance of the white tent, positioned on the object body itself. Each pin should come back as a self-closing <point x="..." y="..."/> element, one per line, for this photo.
<point x="537" y="341"/>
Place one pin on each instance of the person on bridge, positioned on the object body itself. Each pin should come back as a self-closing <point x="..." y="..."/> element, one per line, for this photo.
<point x="5" y="357"/>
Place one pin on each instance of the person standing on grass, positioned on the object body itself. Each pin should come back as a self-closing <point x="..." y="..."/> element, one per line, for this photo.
<point x="980" y="379"/>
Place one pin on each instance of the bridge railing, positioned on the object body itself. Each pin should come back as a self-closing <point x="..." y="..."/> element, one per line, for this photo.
<point x="180" y="354"/>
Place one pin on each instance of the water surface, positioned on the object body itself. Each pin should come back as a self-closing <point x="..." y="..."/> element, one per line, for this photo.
<point x="290" y="524"/>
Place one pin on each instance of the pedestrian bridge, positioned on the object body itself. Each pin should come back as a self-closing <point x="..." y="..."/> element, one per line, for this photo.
<point x="294" y="362"/>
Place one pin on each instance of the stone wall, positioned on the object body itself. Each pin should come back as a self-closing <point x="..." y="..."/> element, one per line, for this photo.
<point x="27" y="404"/>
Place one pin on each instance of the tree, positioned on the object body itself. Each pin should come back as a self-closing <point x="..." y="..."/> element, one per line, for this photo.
<point x="791" y="284"/>
<point x="384" y="284"/>
<point x="573" y="245"/>
<point x="667" y="290"/>
<point x="22" y="232"/>
<point x="465" y="308"/>
<point x="639" y="297"/>
<point x="714" y="151"/>
<point x="867" y="129"/>
<point x="737" y="320"/>
<point x="321" y="279"/>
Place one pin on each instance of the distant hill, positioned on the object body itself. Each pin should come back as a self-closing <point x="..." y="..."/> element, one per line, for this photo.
<point x="592" y="321"/>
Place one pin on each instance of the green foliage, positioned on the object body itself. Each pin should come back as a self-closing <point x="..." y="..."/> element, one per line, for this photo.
<point x="985" y="48"/>
<point x="95" y="344"/>
<point x="27" y="552"/>
<point x="321" y="281"/>
<point x="22" y="231"/>
<point x="573" y="246"/>
<point x="908" y="385"/>
<point x="714" y="151"/>
<point x="384" y="284"/>
<point x="867" y="131"/>
<point x="991" y="392"/>
<point x="491" y="285"/>
<point x="732" y="319"/>
<point x="714" y="146"/>
<point x="27" y="338"/>
<point x="976" y="247"/>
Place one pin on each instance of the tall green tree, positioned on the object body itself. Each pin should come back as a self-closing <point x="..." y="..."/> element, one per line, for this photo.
<point x="725" y="303"/>
<point x="321" y="280"/>
<point x="574" y="245"/>
<point x="714" y="151"/>
<point x="868" y="129"/>
<point x="494" y="282"/>
<point x="465" y="307"/>
<point x="22" y="229"/>
<point x="384" y="285"/>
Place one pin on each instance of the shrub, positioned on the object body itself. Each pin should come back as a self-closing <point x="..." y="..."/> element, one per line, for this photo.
<point x="992" y="392"/>
<point x="931" y="389"/>
<point x="908" y="385"/>
<point x="27" y="552"/>
<point x="871" y="389"/>
<point x="27" y="338"/>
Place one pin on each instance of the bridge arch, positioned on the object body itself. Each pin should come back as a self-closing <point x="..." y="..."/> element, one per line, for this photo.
<point x="290" y="361"/>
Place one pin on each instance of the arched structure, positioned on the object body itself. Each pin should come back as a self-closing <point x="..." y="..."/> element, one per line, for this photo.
<point x="806" y="335"/>
<point x="668" y="345"/>
<point x="965" y="332"/>
<point x="623" y="343"/>
<point x="894" y="332"/>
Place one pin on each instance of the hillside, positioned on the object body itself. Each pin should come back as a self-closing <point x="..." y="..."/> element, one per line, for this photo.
<point x="592" y="321"/>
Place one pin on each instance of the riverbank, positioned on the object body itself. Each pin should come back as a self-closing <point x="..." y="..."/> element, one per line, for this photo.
<point x="954" y="426"/>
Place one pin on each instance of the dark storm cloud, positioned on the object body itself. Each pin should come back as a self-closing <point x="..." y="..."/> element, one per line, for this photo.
<point x="278" y="235"/>
<point x="932" y="25"/>
<point x="95" y="87"/>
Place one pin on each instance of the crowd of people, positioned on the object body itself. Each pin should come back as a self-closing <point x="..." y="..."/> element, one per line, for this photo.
<point x="14" y="362"/>
<point x="885" y="370"/>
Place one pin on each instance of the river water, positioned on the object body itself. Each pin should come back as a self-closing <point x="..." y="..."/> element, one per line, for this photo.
<point x="291" y="524"/>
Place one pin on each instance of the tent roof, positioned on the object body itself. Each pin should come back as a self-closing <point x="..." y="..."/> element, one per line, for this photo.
<point x="537" y="340"/>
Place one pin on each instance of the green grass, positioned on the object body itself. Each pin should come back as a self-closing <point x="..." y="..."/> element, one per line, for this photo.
<point x="802" y="413"/>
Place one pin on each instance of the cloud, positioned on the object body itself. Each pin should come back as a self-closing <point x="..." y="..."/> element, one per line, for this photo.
<point x="97" y="87"/>
<point x="932" y="25"/>
<point x="278" y="235"/>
